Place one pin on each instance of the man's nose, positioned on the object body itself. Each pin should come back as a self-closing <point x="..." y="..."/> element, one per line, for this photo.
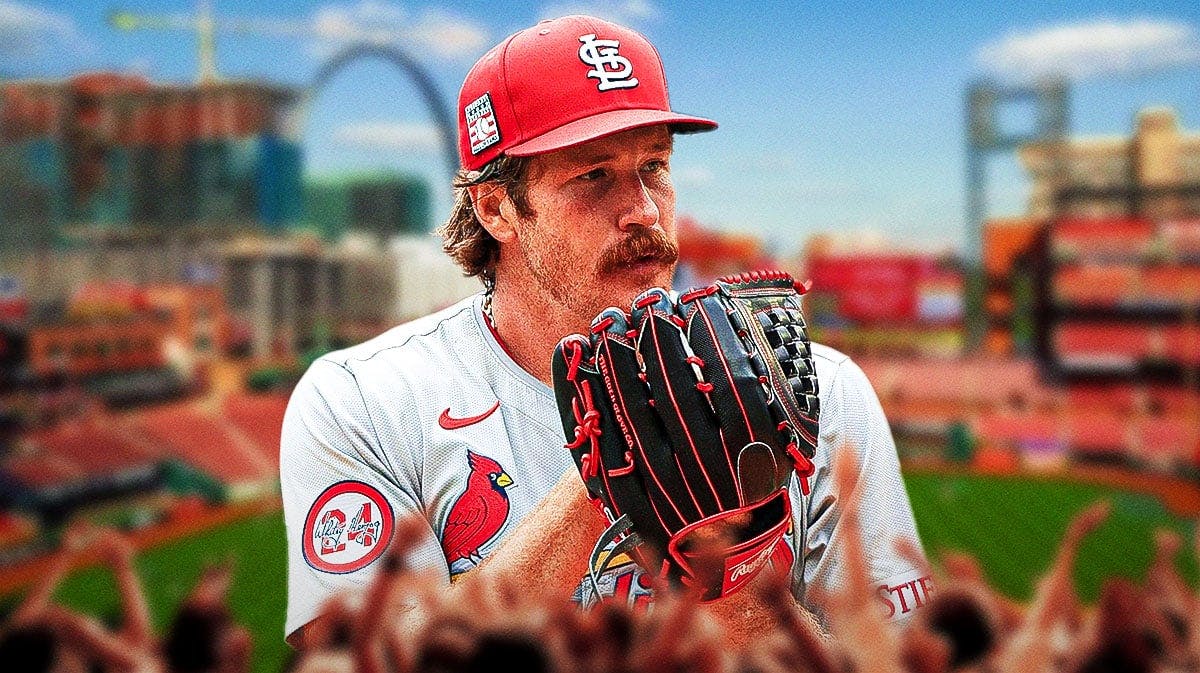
<point x="641" y="210"/>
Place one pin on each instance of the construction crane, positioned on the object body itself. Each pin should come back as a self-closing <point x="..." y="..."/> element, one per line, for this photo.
<point x="202" y="23"/>
<point x="375" y="42"/>
<point x="206" y="24"/>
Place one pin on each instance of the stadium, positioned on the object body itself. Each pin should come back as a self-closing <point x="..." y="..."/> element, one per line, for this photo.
<point x="177" y="248"/>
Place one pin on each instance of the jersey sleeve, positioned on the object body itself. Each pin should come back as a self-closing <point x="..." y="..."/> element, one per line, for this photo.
<point x="852" y="420"/>
<point x="342" y="493"/>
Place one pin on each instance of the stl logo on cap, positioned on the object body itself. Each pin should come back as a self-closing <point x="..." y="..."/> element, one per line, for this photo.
<point x="348" y="526"/>
<point x="515" y="100"/>
<point x="481" y="124"/>
<point x="612" y="69"/>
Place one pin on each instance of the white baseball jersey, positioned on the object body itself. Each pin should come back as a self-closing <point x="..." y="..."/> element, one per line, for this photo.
<point x="434" y="418"/>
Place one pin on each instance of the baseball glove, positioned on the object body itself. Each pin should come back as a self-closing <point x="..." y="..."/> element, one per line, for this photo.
<point x="686" y="419"/>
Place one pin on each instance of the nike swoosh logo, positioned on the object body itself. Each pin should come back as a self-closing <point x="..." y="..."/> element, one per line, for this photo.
<point x="448" y="422"/>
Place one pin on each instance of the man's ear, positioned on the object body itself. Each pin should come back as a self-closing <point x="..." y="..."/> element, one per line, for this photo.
<point x="494" y="210"/>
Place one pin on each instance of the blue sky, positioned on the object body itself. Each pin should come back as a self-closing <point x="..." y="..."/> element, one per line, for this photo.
<point x="834" y="116"/>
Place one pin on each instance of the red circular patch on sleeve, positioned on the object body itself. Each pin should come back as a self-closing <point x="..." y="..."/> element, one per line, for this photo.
<point x="348" y="527"/>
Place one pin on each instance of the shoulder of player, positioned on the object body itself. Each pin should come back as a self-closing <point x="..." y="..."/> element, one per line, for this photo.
<point x="412" y="342"/>
<point x="401" y="367"/>
<point x="828" y="362"/>
<point x="828" y="355"/>
<point x="405" y="357"/>
<point x="383" y="382"/>
<point x="836" y="370"/>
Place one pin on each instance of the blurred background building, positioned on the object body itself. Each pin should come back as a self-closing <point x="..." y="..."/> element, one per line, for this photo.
<point x="1098" y="286"/>
<point x="161" y="255"/>
<point x="170" y="264"/>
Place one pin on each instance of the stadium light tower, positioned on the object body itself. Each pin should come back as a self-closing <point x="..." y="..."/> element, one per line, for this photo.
<point x="986" y="136"/>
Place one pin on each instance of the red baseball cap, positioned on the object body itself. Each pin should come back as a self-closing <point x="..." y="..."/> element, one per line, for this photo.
<point x="562" y="83"/>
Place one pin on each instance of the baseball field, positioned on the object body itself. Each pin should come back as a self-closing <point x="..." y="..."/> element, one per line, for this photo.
<point x="1012" y="525"/>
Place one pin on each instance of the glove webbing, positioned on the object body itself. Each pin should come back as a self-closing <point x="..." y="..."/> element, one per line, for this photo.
<point x="775" y="343"/>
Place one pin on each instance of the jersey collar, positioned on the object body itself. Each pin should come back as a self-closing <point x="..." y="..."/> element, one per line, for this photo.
<point x="496" y="344"/>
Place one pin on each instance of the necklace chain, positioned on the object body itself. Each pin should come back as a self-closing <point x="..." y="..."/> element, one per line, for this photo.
<point x="489" y="289"/>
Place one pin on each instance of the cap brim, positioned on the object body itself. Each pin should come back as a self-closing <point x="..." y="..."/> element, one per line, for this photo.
<point x="605" y="124"/>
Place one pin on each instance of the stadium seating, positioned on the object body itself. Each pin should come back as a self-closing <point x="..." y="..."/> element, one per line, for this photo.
<point x="205" y="442"/>
<point x="94" y="446"/>
<point x="260" y="417"/>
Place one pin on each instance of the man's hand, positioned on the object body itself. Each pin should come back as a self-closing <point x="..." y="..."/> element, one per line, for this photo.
<point x="547" y="554"/>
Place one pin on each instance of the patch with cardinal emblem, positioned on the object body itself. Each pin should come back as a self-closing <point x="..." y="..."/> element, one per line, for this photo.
<point x="477" y="515"/>
<point x="348" y="526"/>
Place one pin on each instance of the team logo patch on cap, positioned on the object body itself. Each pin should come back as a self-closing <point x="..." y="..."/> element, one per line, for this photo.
<point x="609" y="67"/>
<point x="481" y="124"/>
<point x="348" y="527"/>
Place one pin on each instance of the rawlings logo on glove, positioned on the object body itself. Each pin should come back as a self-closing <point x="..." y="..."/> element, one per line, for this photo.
<point x="687" y="419"/>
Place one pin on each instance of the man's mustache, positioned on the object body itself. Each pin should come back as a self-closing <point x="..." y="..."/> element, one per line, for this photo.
<point x="644" y="245"/>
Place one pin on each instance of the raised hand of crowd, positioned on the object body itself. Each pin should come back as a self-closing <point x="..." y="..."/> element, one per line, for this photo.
<point x="403" y="623"/>
<point x="41" y="636"/>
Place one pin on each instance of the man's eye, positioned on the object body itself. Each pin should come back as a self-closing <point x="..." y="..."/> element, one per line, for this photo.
<point x="594" y="174"/>
<point x="654" y="166"/>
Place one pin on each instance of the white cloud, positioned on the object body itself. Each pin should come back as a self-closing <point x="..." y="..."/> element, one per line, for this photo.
<point x="142" y="66"/>
<point x="625" y="12"/>
<point x="1091" y="48"/>
<point x="449" y="36"/>
<point x="432" y="31"/>
<point x="692" y="176"/>
<point x="390" y="136"/>
<point x="816" y="188"/>
<point x="28" y="32"/>
<point x="773" y="162"/>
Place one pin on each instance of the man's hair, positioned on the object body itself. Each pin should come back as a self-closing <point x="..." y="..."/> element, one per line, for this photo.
<point x="463" y="235"/>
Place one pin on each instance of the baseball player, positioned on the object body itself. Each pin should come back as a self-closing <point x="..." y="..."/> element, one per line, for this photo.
<point x="564" y="207"/>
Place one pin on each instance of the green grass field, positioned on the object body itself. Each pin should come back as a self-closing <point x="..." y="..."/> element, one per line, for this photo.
<point x="1012" y="525"/>
<point x="258" y="596"/>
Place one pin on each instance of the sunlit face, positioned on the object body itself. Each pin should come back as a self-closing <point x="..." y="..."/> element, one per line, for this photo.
<point x="604" y="223"/>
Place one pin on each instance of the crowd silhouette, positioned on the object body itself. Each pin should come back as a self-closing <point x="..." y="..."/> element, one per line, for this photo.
<point x="403" y="622"/>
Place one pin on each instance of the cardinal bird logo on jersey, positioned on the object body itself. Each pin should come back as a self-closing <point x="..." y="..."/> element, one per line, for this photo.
<point x="479" y="513"/>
